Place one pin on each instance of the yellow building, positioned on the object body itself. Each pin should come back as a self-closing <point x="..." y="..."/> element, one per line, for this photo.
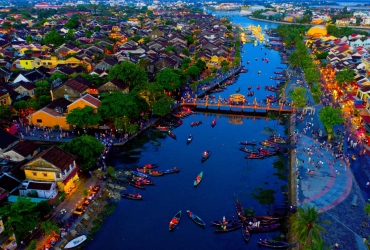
<point x="317" y="20"/>
<point x="53" y="165"/>
<point x="317" y="31"/>
<point x="288" y="19"/>
<point x="366" y="61"/>
<point x="26" y="63"/>
<point x="5" y="99"/>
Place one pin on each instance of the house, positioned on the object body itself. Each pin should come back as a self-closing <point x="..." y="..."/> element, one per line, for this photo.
<point x="4" y="97"/>
<point x="114" y="85"/>
<point x="166" y="63"/>
<point x="47" y="190"/>
<point x="155" y="34"/>
<point x="53" y="165"/>
<point x="30" y="76"/>
<point x="52" y="115"/>
<point x="86" y="100"/>
<point x="21" y="151"/>
<point x="72" y="89"/>
<point x="106" y="64"/>
<point x="7" y="140"/>
<point x="25" y="89"/>
<point x="8" y="184"/>
<point x="343" y="22"/>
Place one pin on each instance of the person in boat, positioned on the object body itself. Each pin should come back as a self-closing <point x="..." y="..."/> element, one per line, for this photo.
<point x="175" y="168"/>
<point x="138" y="195"/>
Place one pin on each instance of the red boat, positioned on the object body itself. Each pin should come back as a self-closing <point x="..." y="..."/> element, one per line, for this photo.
<point x="213" y="123"/>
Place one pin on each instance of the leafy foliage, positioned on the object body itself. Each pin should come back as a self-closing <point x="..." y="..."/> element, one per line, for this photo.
<point x="330" y="117"/>
<point x="86" y="148"/>
<point x="129" y="73"/>
<point x="298" y="96"/>
<point x="44" y="208"/>
<point x="345" y="76"/>
<point x="84" y="117"/>
<point x="306" y="225"/>
<point x="53" y="37"/>
<point x="168" y="80"/>
<point x="20" y="217"/>
<point x="5" y="112"/>
<point x="49" y="227"/>
<point x="193" y="71"/>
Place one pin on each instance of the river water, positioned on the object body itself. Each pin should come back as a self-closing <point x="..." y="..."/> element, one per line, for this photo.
<point x="227" y="175"/>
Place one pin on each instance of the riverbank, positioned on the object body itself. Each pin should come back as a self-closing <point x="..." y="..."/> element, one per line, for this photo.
<point x="290" y="23"/>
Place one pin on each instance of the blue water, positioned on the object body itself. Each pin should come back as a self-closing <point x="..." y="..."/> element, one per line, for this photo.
<point x="227" y="177"/>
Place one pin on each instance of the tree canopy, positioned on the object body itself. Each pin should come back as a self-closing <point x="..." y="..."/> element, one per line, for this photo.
<point x="298" y="96"/>
<point x="116" y="104"/>
<point x="53" y="37"/>
<point x="307" y="226"/>
<point x="20" y="217"/>
<point x="129" y="73"/>
<point x="168" y="80"/>
<point x="345" y="76"/>
<point x="84" y="117"/>
<point x="193" y="71"/>
<point x="5" y="112"/>
<point x="87" y="149"/>
<point x="330" y="117"/>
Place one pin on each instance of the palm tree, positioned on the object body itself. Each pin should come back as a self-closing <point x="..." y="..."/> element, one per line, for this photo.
<point x="306" y="225"/>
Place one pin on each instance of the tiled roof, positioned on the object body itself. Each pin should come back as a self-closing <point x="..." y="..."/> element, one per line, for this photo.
<point x="39" y="185"/>
<point x="59" y="102"/>
<point x="76" y="85"/>
<point x="51" y="112"/>
<point x="56" y="156"/>
<point x="25" y="148"/>
<point x="90" y="99"/>
<point x="8" y="183"/>
<point x="6" y="139"/>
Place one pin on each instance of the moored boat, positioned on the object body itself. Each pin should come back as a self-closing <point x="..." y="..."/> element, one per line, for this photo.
<point x="213" y="123"/>
<point x="237" y="90"/>
<point x="179" y="123"/>
<point x="254" y="156"/>
<point x="278" y="140"/>
<point x="228" y="227"/>
<point x="155" y="173"/>
<point x="273" y="244"/>
<point x="195" y="218"/>
<point x="198" y="179"/>
<point x="190" y="139"/>
<point x="266" y="152"/>
<point x="258" y="228"/>
<point x="150" y="165"/>
<point x="170" y="171"/>
<point x="225" y="221"/>
<point x="172" y="135"/>
<point x="196" y="123"/>
<point x="76" y="242"/>
<point x="132" y="196"/>
<point x="137" y="173"/>
<point x="163" y="128"/>
<point x="239" y="209"/>
<point x="246" y="234"/>
<point x="247" y="150"/>
<point x="268" y="143"/>
<point x="137" y="184"/>
<point x="206" y="155"/>
<point x="175" y="221"/>
<point x="252" y="143"/>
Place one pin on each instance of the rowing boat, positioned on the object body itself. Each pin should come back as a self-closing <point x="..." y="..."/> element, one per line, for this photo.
<point x="239" y="209"/>
<point x="206" y="155"/>
<point x="175" y="221"/>
<point x="198" y="179"/>
<point x="246" y="234"/>
<point x="195" y="218"/>
<point x="273" y="244"/>
<point x="132" y="196"/>
<point x="75" y="242"/>
<point x="228" y="227"/>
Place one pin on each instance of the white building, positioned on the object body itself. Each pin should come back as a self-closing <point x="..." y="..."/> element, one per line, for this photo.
<point x="46" y="190"/>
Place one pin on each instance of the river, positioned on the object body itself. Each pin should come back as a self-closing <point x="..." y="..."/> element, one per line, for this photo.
<point x="227" y="175"/>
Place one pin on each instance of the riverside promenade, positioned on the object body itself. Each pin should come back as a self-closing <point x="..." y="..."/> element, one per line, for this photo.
<point x="326" y="182"/>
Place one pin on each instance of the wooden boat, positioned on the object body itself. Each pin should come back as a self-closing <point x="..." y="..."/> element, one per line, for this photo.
<point x="213" y="123"/>
<point x="263" y="228"/>
<point x="254" y="156"/>
<point x="198" y="179"/>
<point x="196" y="123"/>
<point x="163" y="129"/>
<point x="267" y="144"/>
<point x="146" y="181"/>
<point x="273" y="244"/>
<point x="266" y="152"/>
<point x="278" y="73"/>
<point x="150" y="165"/>
<point x="228" y="221"/>
<point x="175" y="221"/>
<point x="277" y="140"/>
<point x="206" y="155"/>
<point x="172" y="135"/>
<point x="239" y="209"/>
<point x="246" y="234"/>
<point x="178" y="124"/>
<point x="263" y="220"/>
<point x="228" y="227"/>
<point x="155" y="173"/>
<point x="75" y="242"/>
<point x="137" y="173"/>
<point x="190" y="139"/>
<point x="135" y="184"/>
<point x="195" y="218"/>
<point x="132" y="196"/>
<point x="252" y="143"/>
<point x="170" y="171"/>
<point x="238" y="90"/>
<point x="247" y="150"/>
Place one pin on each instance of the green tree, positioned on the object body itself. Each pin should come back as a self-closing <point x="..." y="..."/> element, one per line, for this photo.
<point x="20" y="217"/>
<point x="83" y="117"/>
<point x="70" y="35"/>
<point x="185" y="63"/>
<point x="86" y="148"/>
<point x="94" y="78"/>
<point x="168" y="80"/>
<point x="42" y="88"/>
<point x="345" y="76"/>
<point x="52" y="37"/>
<point x="170" y="48"/>
<point x="367" y="210"/>
<point x="111" y="171"/>
<point x="294" y="59"/>
<point x="117" y="104"/>
<point x="20" y="105"/>
<point x="44" y="208"/>
<point x="193" y="71"/>
<point x="5" y="112"/>
<point x="32" y="245"/>
<point x="189" y="39"/>
<point x="97" y="28"/>
<point x="88" y="33"/>
<point x="298" y="96"/>
<point x="307" y="226"/>
<point x="201" y="64"/>
<point x="72" y="24"/>
<point x="29" y="39"/>
<point x="129" y="73"/>
<point x="330" y="117"/>
<point x="162" y="105"/>
<point x="124" y="124"/>
<point x="49" y="226"/>
<point x="58" y="75"/>
<point x="185" y="51"/>
<point x="146" y="39"/>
